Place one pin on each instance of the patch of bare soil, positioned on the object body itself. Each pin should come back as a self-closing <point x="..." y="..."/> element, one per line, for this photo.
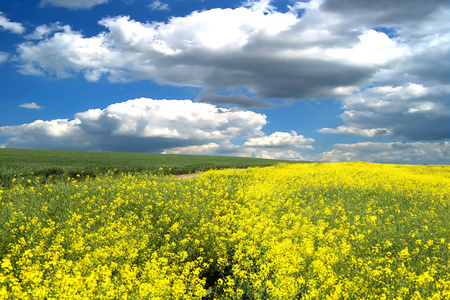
<point x="187" y="176"/>
<point x="193" y="175"/>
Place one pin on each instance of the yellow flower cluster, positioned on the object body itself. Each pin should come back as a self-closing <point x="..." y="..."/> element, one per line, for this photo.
<point x="309" y="231"/>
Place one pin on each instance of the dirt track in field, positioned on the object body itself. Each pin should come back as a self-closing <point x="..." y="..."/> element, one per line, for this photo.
<point x="193" y="175"/>
<point x="187" y="176"/>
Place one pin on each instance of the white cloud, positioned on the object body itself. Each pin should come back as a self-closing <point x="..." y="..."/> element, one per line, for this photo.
<point x="58" y="128"/>
<point x="413" y="111"/>
<point x="259" y="5"/>
<point x="180" y="119"/>
<point x="375" y="48"/>
<point x="144" y="125"/>
<point x="410" y="97"/>
<point x="278" y="145"/>
<point x="158" y="5"/>
<point x="167" y="126"/>
<point x="73" y="4"/>
<point x="3" y="57"/>
<point x="356" y="131"/>
<point x="14" y="27"/>
<point x="277" y="55"/>
<point x="44" y="31"/>
<point x="66" y="53"/>
<point x="206" y="149"/>
<point x="395" y="152"/>
<point x="273" y="154"/>
<point x="306" y="52"/>
<point x="228" y="149"/>
<point x="280" y="140"/>
<point x="270" y="53"/>
<point x="31" y="105"/>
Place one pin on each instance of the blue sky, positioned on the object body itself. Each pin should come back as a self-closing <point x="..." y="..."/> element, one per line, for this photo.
<point x="322" y="80"/>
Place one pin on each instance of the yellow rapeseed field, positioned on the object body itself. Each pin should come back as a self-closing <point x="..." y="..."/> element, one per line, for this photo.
<point x="292" y="231"/>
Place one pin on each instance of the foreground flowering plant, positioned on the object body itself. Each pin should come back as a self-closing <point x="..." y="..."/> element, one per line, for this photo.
<point x="309" y="231"/>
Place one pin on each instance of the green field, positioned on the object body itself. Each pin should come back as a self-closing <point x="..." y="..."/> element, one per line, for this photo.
<point x="51" y="165"/>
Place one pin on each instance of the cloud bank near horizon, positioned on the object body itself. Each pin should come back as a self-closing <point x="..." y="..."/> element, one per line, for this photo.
<point x="187" y="127"/>
<point x="148" y="125"/>
<point x="390" y="153"/>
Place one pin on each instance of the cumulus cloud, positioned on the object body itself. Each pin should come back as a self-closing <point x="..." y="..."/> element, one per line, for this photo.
<point x="395" y="152"/>
<point x="278" y="145"/>
<point x="181" y="119"/>
<point x="275" y="55"/>
<point x="158" y="5"/>
<point x="167" y="126"/>
<point x="143" y="124"/>
<point x="66" y="53"/>
<point x="316" y="49"/>
<point x="280" y="140"/>
<point x="73" y="4"/>
<point x="31" y="105"/>
<point x="412" y="111"/>
<point x="410" y="97"/>
<point x="356" y="131"/>
<point x="206" y="149"/>
<point x="44" y="31"/>
<point x="229" y="149"/>
<point x="55" y="134"/>
<point x="14" y="27"/>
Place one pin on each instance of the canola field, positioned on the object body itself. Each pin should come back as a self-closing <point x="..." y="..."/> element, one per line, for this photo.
<point x="291" y="231"/>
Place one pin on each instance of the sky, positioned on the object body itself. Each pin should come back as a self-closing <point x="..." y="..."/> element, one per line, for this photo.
<point x="319" y="80"/>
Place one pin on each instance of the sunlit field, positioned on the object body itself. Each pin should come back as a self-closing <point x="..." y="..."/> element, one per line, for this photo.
<point x="291" y="231"/>
<point x="54" y="165"/>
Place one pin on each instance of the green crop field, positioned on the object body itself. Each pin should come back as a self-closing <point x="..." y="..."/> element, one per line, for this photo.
<point x="51" y="165"/>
